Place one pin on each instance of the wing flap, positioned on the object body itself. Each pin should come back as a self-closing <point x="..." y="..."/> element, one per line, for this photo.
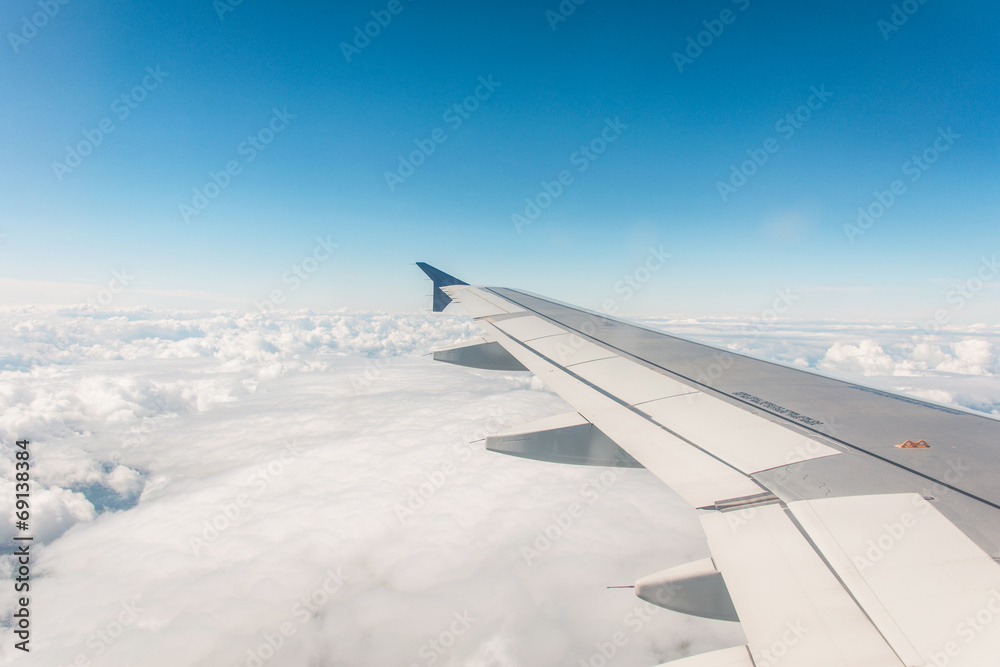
<point x="698" y="477"/>
<point x="792" y="609"/>
<point x="605" y="392"/>
<point x="529" y="328"/>
<point x="629" y="381"/>
<point x="569" y="349"/>
<point x="479" y="303"/>
<point x="933" y="593"/>
<point x="748" y="442"/>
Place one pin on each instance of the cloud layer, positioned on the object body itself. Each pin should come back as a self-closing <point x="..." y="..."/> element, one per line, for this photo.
<point x="300" y="489"/>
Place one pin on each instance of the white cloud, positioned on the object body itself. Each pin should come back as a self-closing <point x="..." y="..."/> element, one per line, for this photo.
<point x="205" y="480"/>
<point x="865" y="358"/>
<point x="54" y="510"/>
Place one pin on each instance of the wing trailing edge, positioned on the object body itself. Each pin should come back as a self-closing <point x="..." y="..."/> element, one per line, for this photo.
<point x="821" y="558"/>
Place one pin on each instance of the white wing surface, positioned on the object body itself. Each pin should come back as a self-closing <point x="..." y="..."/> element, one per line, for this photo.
<point x="832" y="543"/>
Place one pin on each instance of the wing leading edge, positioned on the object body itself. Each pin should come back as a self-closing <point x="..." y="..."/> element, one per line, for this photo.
<point x="831" y="544"/>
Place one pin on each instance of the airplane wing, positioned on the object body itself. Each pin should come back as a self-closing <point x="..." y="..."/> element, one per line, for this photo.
<point x="848" y="526"/>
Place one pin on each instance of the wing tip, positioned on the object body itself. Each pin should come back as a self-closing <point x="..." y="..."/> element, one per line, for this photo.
<point x="440" y="279"/>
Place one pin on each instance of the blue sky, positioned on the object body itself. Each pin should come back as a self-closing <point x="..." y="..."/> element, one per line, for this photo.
<point x="335" y="124"/>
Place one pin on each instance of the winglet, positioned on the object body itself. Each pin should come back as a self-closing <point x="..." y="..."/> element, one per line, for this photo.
<point x="441" y="279"/>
